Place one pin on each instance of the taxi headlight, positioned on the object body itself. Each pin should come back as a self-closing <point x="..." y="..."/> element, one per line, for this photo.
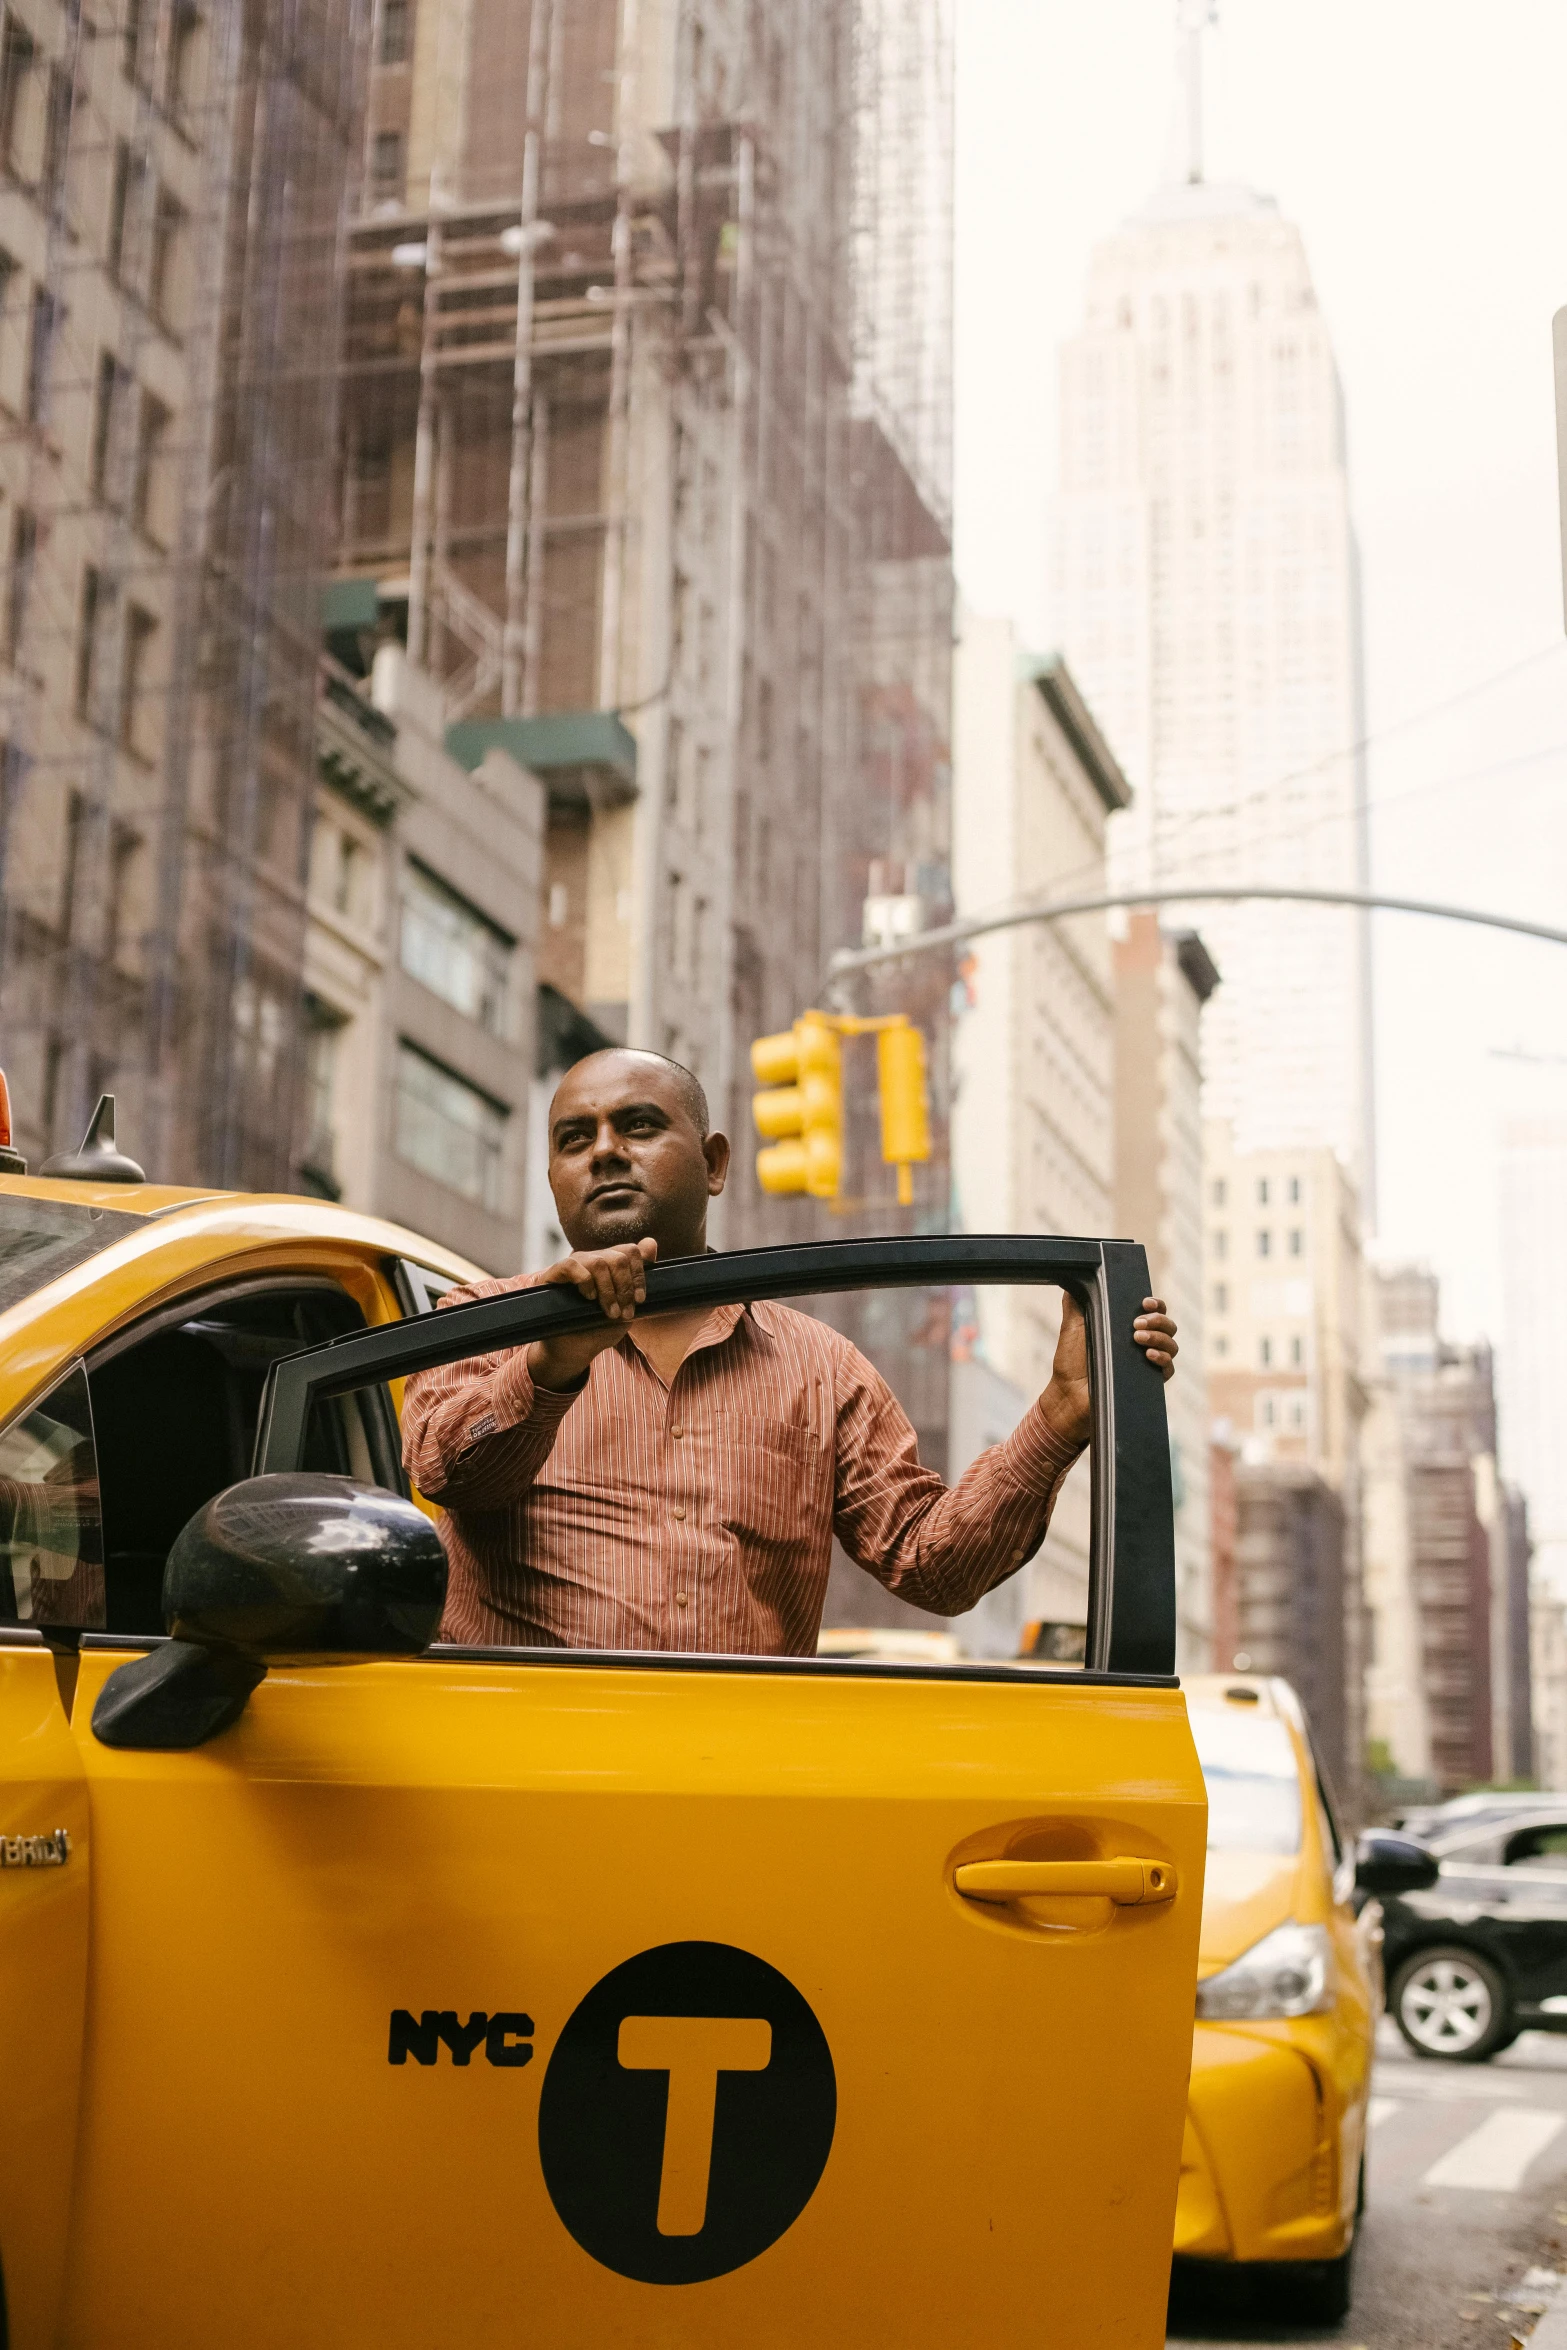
<point x="1289" y="1972"/>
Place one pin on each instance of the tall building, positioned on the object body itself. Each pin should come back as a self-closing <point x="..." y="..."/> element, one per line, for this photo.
<point x="1206" y="584"/>
<point x="1033" y="1125"/>
<point x="170" y="209"/>
<point x="419" y="969"/>
<point x="1163" y="978"/>
<point x="1286" y="1383"/>
<point x="1531" y="1375"/>
<point x="1465" y="1566"/>
<point x="646" y="456"/>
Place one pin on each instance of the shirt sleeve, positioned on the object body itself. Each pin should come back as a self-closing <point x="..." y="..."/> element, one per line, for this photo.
<point x="477" y="1433"/>
<point x="940" y="1547"/>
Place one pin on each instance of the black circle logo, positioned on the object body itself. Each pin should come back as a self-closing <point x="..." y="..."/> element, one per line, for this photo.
<point x="687" y="2113"/>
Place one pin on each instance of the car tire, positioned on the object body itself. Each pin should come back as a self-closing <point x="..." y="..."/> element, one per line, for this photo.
<point x="1315" y="2292"/>
<point x="1450" y="2002"/>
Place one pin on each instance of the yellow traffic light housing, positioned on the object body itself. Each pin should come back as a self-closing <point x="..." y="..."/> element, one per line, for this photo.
<point x="905" y="1103"/>
<point x="801" y="1113"/>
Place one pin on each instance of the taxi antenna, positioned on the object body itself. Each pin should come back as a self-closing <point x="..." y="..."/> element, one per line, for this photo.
<point x="98" y="1160"/>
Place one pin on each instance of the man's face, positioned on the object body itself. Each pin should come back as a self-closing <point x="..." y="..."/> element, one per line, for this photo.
<point x="627" y="1160"/>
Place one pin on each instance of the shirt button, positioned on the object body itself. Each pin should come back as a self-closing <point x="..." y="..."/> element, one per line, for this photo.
<point x="680" y="1599"/>
<point x="677" y="1430"/>
<point x="680" y="1509"/>
<point x="1020" y="1554"/>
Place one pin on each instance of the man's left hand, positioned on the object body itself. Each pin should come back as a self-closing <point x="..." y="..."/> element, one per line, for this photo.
<point x="1067" y="1400"/>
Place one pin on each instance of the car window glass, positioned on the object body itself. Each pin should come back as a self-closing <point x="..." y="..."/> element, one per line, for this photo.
<point x="1542" y="1846"/>
<point x="176" y="1413"/>
<point x="765" y="1495"/>
<point x="50" y="1522"/>
<point x="1253" y="1782"/>
<point x="42" y="1238"/>
<point x="1471" y="1852"/>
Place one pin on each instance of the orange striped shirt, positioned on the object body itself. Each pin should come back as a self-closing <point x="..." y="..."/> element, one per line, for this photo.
<point x="700" y="1516"/>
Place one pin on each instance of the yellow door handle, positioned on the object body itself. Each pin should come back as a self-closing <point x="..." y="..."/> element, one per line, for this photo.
<point x="1129" y="1882"/>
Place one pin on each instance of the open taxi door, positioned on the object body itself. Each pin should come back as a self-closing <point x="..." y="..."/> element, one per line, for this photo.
<point x="587" y="1999"/>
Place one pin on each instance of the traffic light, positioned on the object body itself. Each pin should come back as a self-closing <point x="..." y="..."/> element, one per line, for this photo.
<point x="905" y="1102"/>
<point x="802" y="1112"/>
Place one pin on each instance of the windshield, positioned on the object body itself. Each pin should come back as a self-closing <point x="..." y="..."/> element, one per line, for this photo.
<point x="1253" y="1782"/>
<point x="42" y="1238"/>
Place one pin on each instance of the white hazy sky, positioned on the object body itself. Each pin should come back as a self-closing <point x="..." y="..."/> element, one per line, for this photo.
<point x="1418" y="144"/>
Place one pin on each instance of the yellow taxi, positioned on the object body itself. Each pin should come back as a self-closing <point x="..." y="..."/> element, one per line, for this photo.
<point x="369" y="1990"/>
<point x="1289" y="1991"/>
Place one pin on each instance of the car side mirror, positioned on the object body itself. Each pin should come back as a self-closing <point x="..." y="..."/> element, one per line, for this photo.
<point x="1385" y="1863"/>
<point x="275" y="1569"/>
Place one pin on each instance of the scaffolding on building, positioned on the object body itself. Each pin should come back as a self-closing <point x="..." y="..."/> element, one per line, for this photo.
<point x="172" y="180"/>
<point x="647" y="453"/>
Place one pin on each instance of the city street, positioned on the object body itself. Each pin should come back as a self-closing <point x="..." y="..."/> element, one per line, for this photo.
<point x="1467" y="2193"/>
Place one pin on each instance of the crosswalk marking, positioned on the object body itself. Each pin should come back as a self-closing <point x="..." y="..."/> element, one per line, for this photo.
<point x="1378" y="2109"/>
<point x="1498" y="2153"/>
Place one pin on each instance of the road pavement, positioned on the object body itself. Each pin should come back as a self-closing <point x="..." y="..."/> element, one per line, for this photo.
<point x="1466" y="2196"/>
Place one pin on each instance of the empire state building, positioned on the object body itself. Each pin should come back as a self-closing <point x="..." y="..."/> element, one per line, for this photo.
<point x="1207" y="600"/>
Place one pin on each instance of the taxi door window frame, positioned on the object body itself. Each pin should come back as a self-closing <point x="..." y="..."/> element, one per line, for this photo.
<point x="1131" y="1602"/>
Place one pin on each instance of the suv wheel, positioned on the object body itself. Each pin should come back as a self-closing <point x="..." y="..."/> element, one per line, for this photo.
<point x="1315" y="2292"/>
<point x="1453" y="2003"/>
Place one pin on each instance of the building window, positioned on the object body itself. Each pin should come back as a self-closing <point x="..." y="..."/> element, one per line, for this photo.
<point x="70" y="863"/>
<point x="1221" y="1244"/>
<point x="113" y="384"/>
<point x="40" y="352"/>
<point x="24" y="547"/>
<point x="1297" y="1242"/>
<point x="1262" y="1191"/>
<point x="124" y="842"/>
<point x="323" y="1034"/>
<point x="135" y="730"/>
<point x="1294" y="1191"/>
<point x="165" y="278"/>
<point x="1264" y="1244"/>
<point x="138" y="35"/>
<point x="152" y="492"/>
<point x="1298" y="1411"/>
<point x="1221" y="1345"/>
<point x="184" y="49"/>
<point x="1221" y="1297"/>
<point x="1297" y="1352"/>
<point x="1218" y="1191"/>
<point x="386" y="167"/>
<point x="449" y="947"/>
<point x="18" y="88"/>
<point x="93" y="605"/>
<point x="57" y="133"/>
<point x="396" y="32"/>
<point x="1265" y="1410"/>
<point x="448" y="1129"/>
<point x="1265" y="1352"/>
<point x="119" y="208"/>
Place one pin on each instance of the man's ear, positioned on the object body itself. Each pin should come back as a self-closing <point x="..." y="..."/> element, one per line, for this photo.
<point x="716" y="1152"/>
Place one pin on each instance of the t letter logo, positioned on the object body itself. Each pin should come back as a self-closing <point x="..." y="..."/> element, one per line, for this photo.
<point x="693" y="2050"/>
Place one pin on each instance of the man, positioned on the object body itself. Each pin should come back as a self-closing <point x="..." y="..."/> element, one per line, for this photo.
<point x="675" y="1480"/>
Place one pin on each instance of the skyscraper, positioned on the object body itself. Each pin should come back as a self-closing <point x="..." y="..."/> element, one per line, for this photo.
<point x="1208" y="602"/>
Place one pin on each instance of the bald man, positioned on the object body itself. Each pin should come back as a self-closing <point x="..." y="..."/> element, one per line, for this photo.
<point x="674" y="1481"/>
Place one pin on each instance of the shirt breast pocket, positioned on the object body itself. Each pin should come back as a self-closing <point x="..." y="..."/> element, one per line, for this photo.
<point x="774" y="1483"/>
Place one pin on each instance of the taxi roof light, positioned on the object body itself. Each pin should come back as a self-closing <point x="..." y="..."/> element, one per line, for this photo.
<point x="11" y="1161"/>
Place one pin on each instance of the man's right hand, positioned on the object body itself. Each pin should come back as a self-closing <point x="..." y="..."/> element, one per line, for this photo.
<point x="615" y="1280"/>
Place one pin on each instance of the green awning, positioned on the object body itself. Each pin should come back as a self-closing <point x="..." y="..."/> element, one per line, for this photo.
<point x="584" y="758"/>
